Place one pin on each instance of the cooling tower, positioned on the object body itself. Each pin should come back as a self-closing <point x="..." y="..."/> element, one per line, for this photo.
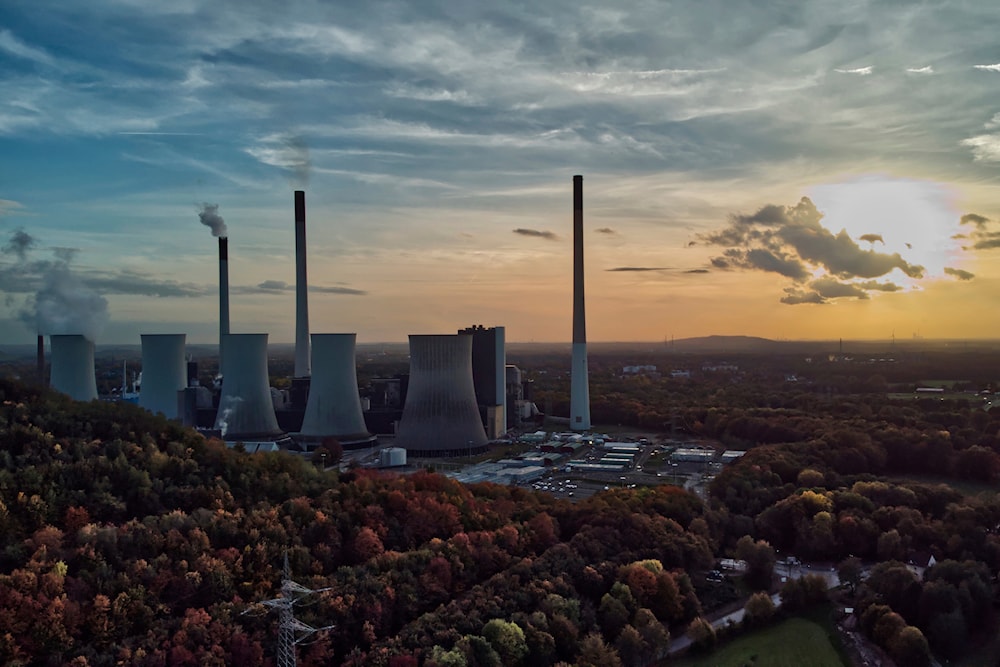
<point x="579" y="398"/>
<point x="440" y="417"/>
<point x="72" y="366"/>
<point x="164" y="373"/>
<point x="334" y="406"/>
<point x="301" y="290"/>
<point x="223" y="293"/>
<point x="245" y="409"/>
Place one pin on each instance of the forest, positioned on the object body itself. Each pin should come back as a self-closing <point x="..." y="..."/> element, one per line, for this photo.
<point x="129" y="540"/>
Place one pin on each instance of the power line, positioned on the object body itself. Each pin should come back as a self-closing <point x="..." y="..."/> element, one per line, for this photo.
<point x="291" y="631"/>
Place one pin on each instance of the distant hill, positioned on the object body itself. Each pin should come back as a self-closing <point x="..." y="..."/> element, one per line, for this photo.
<point x="726" y="344"/>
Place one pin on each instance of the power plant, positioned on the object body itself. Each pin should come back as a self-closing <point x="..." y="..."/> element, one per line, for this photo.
<point x="579" y="398"/>
<point x="458" y="395"/>
<point x="441" y="417"/>
<point x="72" y="366"/>
<point x="164" y="373"/>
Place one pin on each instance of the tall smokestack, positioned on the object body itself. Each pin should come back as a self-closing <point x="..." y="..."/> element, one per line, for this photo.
<point x="579" y="418"/>
<point x="301" y="289"/>
<point x="223" y="293"/>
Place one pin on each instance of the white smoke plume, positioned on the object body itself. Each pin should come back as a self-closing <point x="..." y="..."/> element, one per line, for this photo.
<point x="64" y="304"/>
<point x="209" y="216"/>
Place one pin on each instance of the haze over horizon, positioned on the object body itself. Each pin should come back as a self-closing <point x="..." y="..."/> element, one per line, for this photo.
<point x="804" y="172"/>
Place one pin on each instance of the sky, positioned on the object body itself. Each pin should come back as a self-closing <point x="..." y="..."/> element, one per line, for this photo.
<point x="792" y="170"/>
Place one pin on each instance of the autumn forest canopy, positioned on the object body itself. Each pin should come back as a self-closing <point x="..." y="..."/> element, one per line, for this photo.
<point x="131" y="540"/>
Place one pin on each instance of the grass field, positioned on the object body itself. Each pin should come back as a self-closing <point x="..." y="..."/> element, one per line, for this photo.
<point x="791" y="643"/>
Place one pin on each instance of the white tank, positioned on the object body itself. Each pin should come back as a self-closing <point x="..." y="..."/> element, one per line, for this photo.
<point x="245" y="409"/>
<point x="441" y="417"/>
<point x="73" y="366"/>
<point x="334" y="406"/>
<point x="164" y="373"/>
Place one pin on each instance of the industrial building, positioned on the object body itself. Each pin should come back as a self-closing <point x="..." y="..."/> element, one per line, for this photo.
<point x="489" y="362"/>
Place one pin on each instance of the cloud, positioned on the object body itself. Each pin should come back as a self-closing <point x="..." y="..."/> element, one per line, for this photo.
<point x="638" y="268"/>
<point x="606" y="230"/>
<point x="349" y="291"/>
<point x="985" y="147"/>
<point x="14" y="46"/>
<point x="985" y="234"/>
<point x="279" y="286"/>
<point x="988" y="68"/>
<point x="697" y="271"/>
<point x="551" y="236"/>
<point x="792" y="242"/>
<point x="959" y="273"/>
<point x="8" y="206"/>
<point x="975" y="219"/>
<point x="795" y="296"/>
<point x="858" y="71"/>
<point x="19" y="244"/>
<point x="920" y="70"/>
<point x="286" y="151"/>
<point x="131" y="282"/>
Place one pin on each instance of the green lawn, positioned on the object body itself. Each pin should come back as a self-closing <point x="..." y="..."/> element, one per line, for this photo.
<point x="791" y="643"/>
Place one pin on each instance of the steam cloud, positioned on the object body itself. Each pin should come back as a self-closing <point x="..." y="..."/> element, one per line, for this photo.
<point x="209" y="216"/>
<point x="792" y="242"/>
<point x="63" y="303"/>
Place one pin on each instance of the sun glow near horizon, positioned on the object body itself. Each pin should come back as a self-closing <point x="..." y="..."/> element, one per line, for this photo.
<point x="918" y="219"/>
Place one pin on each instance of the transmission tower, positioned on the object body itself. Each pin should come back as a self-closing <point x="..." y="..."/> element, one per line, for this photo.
<point x="291" y="631"/>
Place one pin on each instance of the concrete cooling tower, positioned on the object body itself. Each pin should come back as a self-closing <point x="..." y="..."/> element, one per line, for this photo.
<point x="334" y="406"/>
<point x="245" y="408"/>
<point x="73" y="366"/>
<point x="164" y="373"/>
<point x="441" y="417"/>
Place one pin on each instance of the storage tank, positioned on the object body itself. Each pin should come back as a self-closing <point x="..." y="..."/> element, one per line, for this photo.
<point x="441" y="417"/>
<point x="72" y="366"/>
<point x="164" y="373"/>
<point x="334" y="406"/>
<point x="245" y="409"/>
<point x="392" y="457"/>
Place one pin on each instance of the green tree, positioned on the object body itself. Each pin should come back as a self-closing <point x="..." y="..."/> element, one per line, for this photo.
<point x="507" y="639"/>
<point x="759" y="610"/>
<point x="702" y="634"/>
<point x="910" y="648"/>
